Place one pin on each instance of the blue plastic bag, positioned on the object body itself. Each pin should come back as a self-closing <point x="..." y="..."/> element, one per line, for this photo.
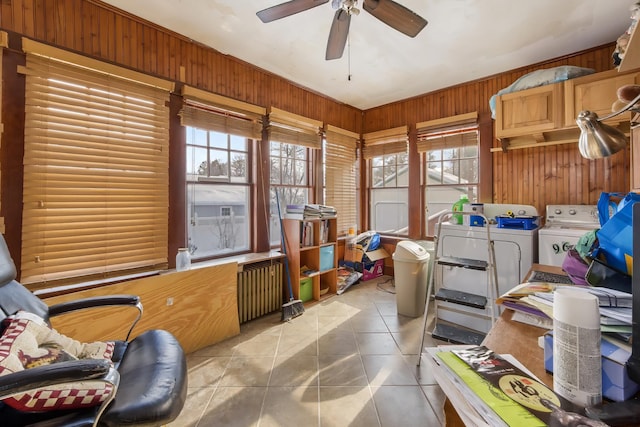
<point x="615" y="237"/>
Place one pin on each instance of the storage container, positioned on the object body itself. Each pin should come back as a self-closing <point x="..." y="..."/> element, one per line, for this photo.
<point x="326" y="258"/>
<point x="306" y="289"/>
<point x="518" y="222"/>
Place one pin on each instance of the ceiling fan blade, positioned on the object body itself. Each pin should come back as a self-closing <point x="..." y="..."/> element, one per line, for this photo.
<point x="396" y="16"/>
<point x="338" y="34"/>
<point x="287" y="9"/>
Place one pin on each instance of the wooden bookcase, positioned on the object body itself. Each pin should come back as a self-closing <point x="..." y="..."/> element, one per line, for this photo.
<point x="320" y="254"/>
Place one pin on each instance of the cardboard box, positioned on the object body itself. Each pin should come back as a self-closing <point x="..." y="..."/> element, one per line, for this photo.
<point x="370" y="263"/>
<point x="354" y="253"/>
<point x="616" y="384"/>
<point x="369" y="270"/>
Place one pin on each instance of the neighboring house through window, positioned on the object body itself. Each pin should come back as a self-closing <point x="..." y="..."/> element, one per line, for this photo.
<point x="293" y="140"/>
<point x="450" y="163"/>
<point x="387" y="155"/>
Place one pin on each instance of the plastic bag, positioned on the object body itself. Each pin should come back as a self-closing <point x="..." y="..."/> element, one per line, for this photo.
<point x="615" y="237"/>
<point x="369" y="240"/>
<point x="575" y="267"/>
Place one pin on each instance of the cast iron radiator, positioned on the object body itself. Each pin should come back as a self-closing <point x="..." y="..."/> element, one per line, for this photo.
<point x="259" y="290"/>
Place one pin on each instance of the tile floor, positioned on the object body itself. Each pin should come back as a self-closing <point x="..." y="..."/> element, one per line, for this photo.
<point x="349" y="360"/>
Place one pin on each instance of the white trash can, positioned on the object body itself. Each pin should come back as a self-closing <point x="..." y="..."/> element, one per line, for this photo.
<point x="411" y="268"/>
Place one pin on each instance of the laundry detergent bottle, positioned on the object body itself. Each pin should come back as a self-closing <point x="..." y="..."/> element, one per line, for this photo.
<point x="459" y="207"/>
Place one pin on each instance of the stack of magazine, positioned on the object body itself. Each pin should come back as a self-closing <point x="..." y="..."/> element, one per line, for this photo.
<point x="488" y="389"/>
<point x="532" y="303"/>
<point x="310" y="211"/>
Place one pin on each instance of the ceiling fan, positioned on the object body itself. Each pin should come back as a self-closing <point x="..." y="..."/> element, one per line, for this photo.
<point x="388" y="11"/>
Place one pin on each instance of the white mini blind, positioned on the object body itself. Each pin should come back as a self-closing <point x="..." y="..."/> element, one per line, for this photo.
<point x="340" y="175"/>
<point x="388" y="141"/>
<point x="217" y="113"/>
<point x="293" y="129"/>
<point x="450" y="132"/>
<point x="95" y="173"/>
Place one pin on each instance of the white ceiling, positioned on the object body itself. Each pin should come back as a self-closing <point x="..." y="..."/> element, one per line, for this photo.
<point x="464" y="40"/>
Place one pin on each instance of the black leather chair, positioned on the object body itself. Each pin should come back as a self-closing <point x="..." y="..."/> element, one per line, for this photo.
<point x="149" y="373"/>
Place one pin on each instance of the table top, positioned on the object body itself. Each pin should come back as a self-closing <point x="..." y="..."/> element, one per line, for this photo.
<point x="515" y="338"/>
<point x="521" y="340"/>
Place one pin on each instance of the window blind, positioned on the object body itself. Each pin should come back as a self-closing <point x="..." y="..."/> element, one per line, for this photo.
<point x="291" y="128"/>
<point x="95" y="173"/>
<point x="221" y="114"/>
<point x="450" y="132"/>
<point x="388" y="141"/>
<point x="340" y="175"/>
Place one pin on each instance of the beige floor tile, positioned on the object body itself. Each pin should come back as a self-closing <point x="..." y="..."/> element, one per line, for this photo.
<point x="436" y="398"/>
<point x="376" y="343"/>
<point x="260" y="345"/>
<point x="194" y="407"/>
<point x="388" y="370"/>
<point x="247" y="371"/>
<point x="329" y="324"/>
<point x="347" y="406"/>
<point x="294" y="370"/>
<point x="408" y="341"/>
<point x="234" y="406"/>
<point x="349" y="360"/>
<point x="368" y="322"/>
<point x="305" y="324"/>
<point x="404" y="406"/>
<point x="343" y="342"/>
<point x="290" y="407"/>
<point x="299" y="344"/>
<point x="206" y="371"/>
<point x="342" y="370"/>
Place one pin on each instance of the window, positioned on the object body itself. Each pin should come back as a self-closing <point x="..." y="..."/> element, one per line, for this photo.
<point x="292" y="139"/>
<point x="218" y="193"/>
<point x="450" y="164"/>
<point x="387" y="156"/>
<point x="340" y="176"/>
<point x="290" y="168"/>
<point x="95" y="169"/>
<point x="218" y="143"/>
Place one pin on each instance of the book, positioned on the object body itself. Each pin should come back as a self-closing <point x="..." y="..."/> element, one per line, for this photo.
<point x="542" y="403"/>
<point x="531" y="319"/>
<point x="606" y="297"/>
<point x="509" y="411"/>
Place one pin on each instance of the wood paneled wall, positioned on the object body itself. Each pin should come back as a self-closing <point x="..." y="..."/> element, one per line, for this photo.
<point x="100" y="31"/>
<point x="536" y="176"/>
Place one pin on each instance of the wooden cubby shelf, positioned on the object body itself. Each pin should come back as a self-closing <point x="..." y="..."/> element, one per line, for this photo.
<point x="312" y="244"/>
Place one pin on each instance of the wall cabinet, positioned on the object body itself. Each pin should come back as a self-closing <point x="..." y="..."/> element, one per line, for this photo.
<point x="312" y="245"/>
<point x="597" y="93"/>
<point x="529" y="111"/>
<point x="547" y="114"/>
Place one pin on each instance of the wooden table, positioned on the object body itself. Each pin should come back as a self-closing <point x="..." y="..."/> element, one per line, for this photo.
<point x="518" y="339"/>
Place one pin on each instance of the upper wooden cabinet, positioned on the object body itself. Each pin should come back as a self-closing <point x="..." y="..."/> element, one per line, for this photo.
<point x="595" y="92"/>
<point x="542" y="113"/>
<point x="530" y="111"/>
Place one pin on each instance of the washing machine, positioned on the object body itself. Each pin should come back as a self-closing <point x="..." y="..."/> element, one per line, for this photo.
<point x="564" y="225"/>
<point x="516" y="250"/>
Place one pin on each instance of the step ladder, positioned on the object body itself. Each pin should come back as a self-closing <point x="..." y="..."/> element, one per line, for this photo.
<point x="484" y="299"/>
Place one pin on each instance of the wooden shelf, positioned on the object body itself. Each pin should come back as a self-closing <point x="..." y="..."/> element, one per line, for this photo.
<point x="631" y="59"/>
<point x="313" y="255"/>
